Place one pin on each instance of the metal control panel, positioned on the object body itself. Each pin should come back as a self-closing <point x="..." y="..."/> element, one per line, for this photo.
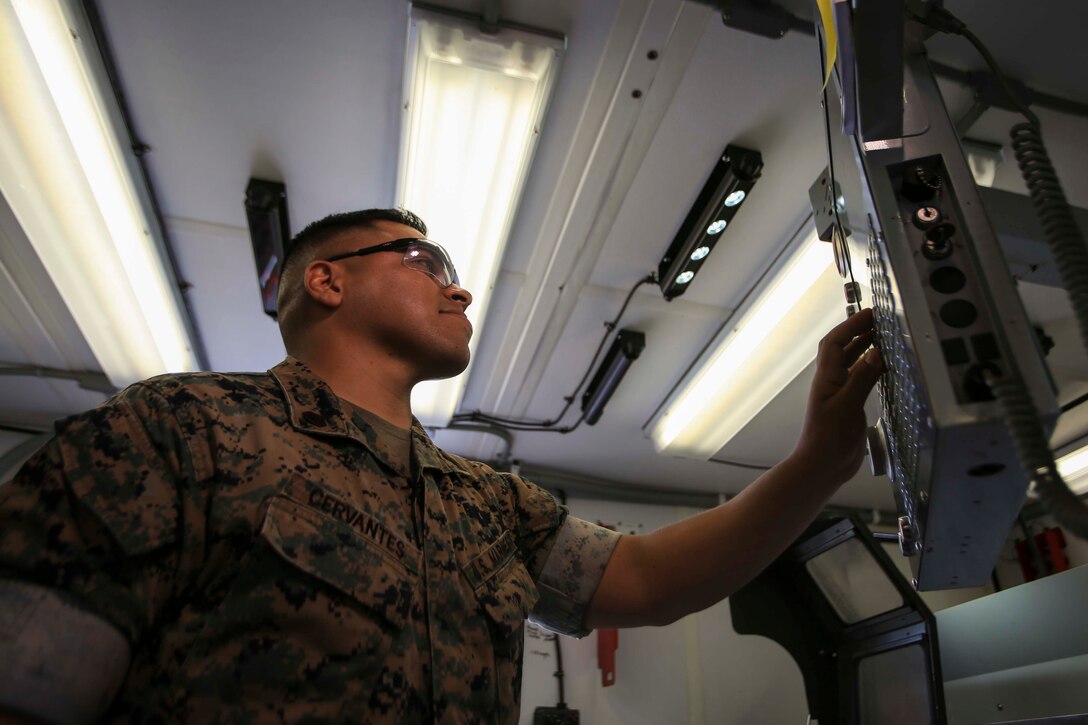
<point x="946" y="310"/>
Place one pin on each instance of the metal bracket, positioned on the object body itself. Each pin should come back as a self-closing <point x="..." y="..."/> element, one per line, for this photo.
<point x="826" y="200"/>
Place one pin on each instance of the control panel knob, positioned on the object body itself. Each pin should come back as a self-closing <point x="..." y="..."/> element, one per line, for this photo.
<point x="908" y="538"/>
<point x="926" y="217"/>
<point x="877" y="443"/>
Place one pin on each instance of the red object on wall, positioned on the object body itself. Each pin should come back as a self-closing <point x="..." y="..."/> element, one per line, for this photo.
<point x="1050" y="543"/>
<point x="608" y="641"/>
<point x="1055" y="542"/>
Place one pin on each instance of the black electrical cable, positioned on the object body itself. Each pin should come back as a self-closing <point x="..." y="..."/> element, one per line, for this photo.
<point x="1074" y="403"/>
<point x="23" y="430"/>
<point x="558" y="649"/>
<point x="559" y="671"/>
<point x="512" y="426"/>
<point x="610" y="326"/>
<point x="521" y="424"/>
<point x="839" y="230"/>
<point x="1002" y="79"/>
<point x="738" y="464"/>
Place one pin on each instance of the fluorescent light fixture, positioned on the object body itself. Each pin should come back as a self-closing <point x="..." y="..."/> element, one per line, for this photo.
<point x="66" y="178"/>
<point x="764" y="347"/>
<point x="473" y="106"/>
<point x="1073" y="468"/>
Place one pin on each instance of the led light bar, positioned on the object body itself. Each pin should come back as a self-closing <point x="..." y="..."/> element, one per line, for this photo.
<point x="722" y="196"/>
<point x="69" y="182"/>
<point x="474" y="103"/>
<point x="754" y="356"/>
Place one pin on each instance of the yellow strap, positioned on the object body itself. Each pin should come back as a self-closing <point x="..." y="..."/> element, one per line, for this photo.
<point x="831" y="38"/>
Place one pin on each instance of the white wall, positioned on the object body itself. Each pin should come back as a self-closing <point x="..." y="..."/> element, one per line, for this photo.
<point x="697" y="670"/>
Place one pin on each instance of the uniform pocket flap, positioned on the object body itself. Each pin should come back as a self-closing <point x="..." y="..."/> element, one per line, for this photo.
<point x="509" y="597"/>
<point x="502" y="584"/>
<point x="334" y="553"/>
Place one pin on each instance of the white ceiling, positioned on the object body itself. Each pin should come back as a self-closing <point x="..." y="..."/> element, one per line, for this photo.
<point x="309" y="92"/>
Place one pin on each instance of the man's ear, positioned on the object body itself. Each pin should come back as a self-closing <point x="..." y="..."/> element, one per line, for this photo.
<point x="322" y="282"/>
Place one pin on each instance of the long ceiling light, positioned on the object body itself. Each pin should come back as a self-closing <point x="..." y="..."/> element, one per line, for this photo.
<point x="765" y="346"/>
<point x="68" y="181"/>
<point x="473" y="106"/>
<point x="1073" y="468"/>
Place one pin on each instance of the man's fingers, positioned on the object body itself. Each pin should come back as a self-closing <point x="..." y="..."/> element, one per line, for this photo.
<point x="863" y="376"/>
<point x="854" y="325"/>
<point x="838" y="351"/>
<point x="857" y="347"/>
<point x="833" y="347"/>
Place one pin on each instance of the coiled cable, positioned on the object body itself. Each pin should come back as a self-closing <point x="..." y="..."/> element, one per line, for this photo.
<point x="1062" y="234"/>
<point x="1035" y="456"/>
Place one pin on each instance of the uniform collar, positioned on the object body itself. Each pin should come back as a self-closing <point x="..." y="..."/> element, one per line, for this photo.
<point x="314" y="408"/>
<point x="426" y="453"/>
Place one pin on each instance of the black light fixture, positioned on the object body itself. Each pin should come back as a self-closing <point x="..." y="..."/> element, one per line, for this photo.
<point x="722" y="196"/>
<point x="625" y="349"/>
<point x="269" y="231"/>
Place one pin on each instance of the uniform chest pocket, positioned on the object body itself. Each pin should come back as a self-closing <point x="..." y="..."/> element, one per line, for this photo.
<point x="311" y="616"/>
<point x="337" y="555"/>
<point x="505" y="590"/>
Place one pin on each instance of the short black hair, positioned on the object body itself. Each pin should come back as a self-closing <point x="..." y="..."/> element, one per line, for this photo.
<point x="303" y="248"/>
<point x="322" y="230"/>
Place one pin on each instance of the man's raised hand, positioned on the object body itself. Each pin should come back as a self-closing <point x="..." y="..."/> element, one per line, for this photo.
<point x="833" y="435"/>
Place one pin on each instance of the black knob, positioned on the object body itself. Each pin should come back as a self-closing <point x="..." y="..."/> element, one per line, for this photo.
<point x="927" y="216"/>
<point x="938" y="244"/>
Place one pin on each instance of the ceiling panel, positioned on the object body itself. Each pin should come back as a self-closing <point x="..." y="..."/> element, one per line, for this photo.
<point x="222" y="91"/>
<point x="34" y="402"/>
<point x="36" y="330"/>
<point x="774" y="110"/>
<point x="217" y="260"/>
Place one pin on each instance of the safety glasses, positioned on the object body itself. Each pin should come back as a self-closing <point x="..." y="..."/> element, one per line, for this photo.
<point x="420" y="254"/>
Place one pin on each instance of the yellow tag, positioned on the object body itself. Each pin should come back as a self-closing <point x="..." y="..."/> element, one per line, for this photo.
<point x="831" y="39"/>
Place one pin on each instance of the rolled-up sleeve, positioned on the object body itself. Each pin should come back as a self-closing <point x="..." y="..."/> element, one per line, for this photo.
<point x="566" y="557"/>
<point x="95" y="513"/>
<point x="570" y="575"/>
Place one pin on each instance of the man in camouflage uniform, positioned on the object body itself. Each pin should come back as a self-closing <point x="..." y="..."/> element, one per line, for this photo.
<point x="291" y="547"/>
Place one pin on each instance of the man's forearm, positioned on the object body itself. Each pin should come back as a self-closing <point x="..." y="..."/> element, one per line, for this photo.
<point x="697" y="562"/>
<point x="690" y="565"/>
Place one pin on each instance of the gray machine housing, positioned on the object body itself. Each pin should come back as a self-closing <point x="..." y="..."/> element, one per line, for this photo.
<point x="946" y="307"/>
